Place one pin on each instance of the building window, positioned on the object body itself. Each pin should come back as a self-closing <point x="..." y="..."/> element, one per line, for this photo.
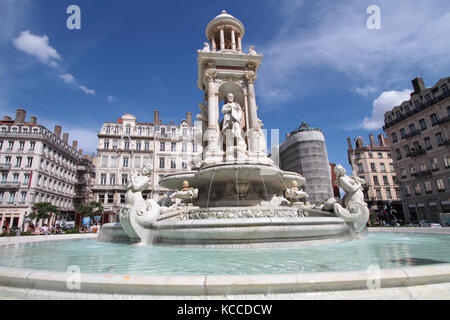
<point x="124" y="179"/>
<point x="12" y="196"/>
<point x="375" y="180"/>
<point x="184" y="147"/>
<point x="23" y="196"/>
<point x="106" y="145"/>
<point x="407" y="151"/>
<point x="138" y="146"/>
<point x="21" y="145"/>
<point x="104" y="161"/>
<point x="428" y="145"/>
<point x="394" y="137"/>
<point x="412" y="128"/>
<point x="125" y="162"/>
<point x="388" y="193"/>
<point x="173" y="147"/>
<point x="358" y="155"/>
<point x="360" y="168"/>
<point x="194" y="147"/>
<point x="162" y="146"/>
<point x="380" y="155"/>
<point x="146" y="146"/>
<point x="173" y="164"/>
<point x="184" y="164"/>
<point x="18" y="162"/>
<point x="446" y="158"/>
<point x="434" y="164"/>
<point x="423" y="125"/>
<point x="26" y="178"/>
<point x="385" y="180"/>
<point x="434" y="119"/>
<point x="378" y="191"/>
<point x="370" y="155"/>
<point x="440" y="185"/>
<point x="113" y="162"/>
<point x="127" y="145"/>
<point x="382" y="167"/>
<point x="372" y="167"/>
<point x="428" y="187"/>
<point x="128" y="130"/>
<point x="112" y="179"/>
<point x="103" y="179"/>
<point x="162" y="162"/>
<point x="10" y="145"/>
<point x="440" y="139"/>
<point x="417" y="189"/>
<point x="391" y="167"/>
<point x="402" y="133"/>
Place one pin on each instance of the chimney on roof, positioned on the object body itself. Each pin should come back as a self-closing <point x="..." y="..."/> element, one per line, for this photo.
<point x="75" y="144"/>
<point x="57" y="131"/>
<point x="349" y="142"/>
<point x="33" y="120"/>
<point x="381" y="140"/>
<point x="418" y="85"/>
<point x="66" y="137"/>
<point x="189" y="118"/>
<point x="7" y="118"/>
<point x="156" y="118"/>
<point x="20" y="116"/>
<point x="171" y="122"/>
<point x="372" y="140"/>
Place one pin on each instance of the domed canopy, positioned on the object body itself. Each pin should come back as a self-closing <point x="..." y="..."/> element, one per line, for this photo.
<point x="224" y="20"/>
<point x="225" y="33"/>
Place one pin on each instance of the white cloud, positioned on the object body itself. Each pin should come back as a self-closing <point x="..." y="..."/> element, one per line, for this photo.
<point x="68" y="78"/>
<point x="87" y="91"/>
<point x="385" y="102"/>
<point x="37" y="46"/>
<point x="332" y="36"/>
<point x="111" y="99"/>
<point x="367" y="90"/>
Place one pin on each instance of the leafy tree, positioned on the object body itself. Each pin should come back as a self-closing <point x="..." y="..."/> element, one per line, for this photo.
<point x="43" y="210"/>
<point x="92" y="209"/>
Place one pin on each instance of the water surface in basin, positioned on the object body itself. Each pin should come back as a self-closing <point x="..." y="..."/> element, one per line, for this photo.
<point x="387" y="250"/>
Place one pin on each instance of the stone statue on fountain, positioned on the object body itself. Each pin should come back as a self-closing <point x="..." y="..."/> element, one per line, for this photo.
<point x="354" y="211"/>
<point x="232" y="129"/>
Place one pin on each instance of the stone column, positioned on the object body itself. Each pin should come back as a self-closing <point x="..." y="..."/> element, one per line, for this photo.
<point x="222" y="39"/>
<point x="239" y="43"/>
<point x="233" y="40"/>
<point x="213" y="44"/>
<point x="253" y="117"/>
<point x="213" y="101"/>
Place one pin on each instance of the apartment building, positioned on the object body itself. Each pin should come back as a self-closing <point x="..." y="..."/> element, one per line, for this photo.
<point x="36" y="165"/>
<point x="373" y="163"/>
<point x="418" y="133"/>
<point x="127" y="145"/>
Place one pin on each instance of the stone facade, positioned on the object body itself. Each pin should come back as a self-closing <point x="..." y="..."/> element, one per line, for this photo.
<point x="374" y="164"/>
<point x="127" y="145"/>
<point x="36" y="166"/>
<point x="418" y="133"/>
<point x="305" y="152"/>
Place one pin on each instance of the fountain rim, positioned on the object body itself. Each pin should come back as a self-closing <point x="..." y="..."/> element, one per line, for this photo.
<point x="33" y="283"/>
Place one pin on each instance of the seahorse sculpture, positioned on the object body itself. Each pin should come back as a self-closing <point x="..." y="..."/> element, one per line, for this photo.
<point x="354" y="211"/>
<point x="138" y="214"/>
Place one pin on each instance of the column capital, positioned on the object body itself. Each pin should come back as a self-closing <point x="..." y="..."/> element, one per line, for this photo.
<point x="210" y="75"/>
<point x="250" y="76"/>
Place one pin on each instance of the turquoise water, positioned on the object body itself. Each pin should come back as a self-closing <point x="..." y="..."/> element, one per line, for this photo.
<point x="387" y="250"/>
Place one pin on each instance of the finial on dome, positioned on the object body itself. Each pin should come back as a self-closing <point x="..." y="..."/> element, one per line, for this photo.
<point x="223" y="11"/>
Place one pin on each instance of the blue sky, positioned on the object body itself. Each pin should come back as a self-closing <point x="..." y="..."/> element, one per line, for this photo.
<point x="321" y="62"/>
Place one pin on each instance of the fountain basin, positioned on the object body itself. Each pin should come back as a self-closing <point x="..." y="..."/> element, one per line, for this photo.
<point x="399" y="277"/>
<point x="251" y="231"/>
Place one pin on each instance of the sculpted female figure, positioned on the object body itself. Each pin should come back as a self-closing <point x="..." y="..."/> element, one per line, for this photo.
<point x="355" y="210"/>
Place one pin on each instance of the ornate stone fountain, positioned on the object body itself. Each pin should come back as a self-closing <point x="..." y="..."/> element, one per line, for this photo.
<point x="239" y="193"/>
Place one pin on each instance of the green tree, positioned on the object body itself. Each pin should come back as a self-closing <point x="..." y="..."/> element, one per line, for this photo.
<point x="92" y="209"/>
<point x="43" y="210"/>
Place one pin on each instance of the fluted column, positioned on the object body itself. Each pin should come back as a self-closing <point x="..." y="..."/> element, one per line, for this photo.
<point x="222" y="39"/>
<point x="239" y="43"/>
<point x="252" y="113"/>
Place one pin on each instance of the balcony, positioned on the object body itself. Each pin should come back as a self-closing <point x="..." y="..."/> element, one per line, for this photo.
<point x="9" y="185"/>
<point x="418" y="152"/>
<point x="423" y="173"/>
<point x="412" y="134"/>
<point x="444" y="143"/>
<point x="5" y="166"/>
